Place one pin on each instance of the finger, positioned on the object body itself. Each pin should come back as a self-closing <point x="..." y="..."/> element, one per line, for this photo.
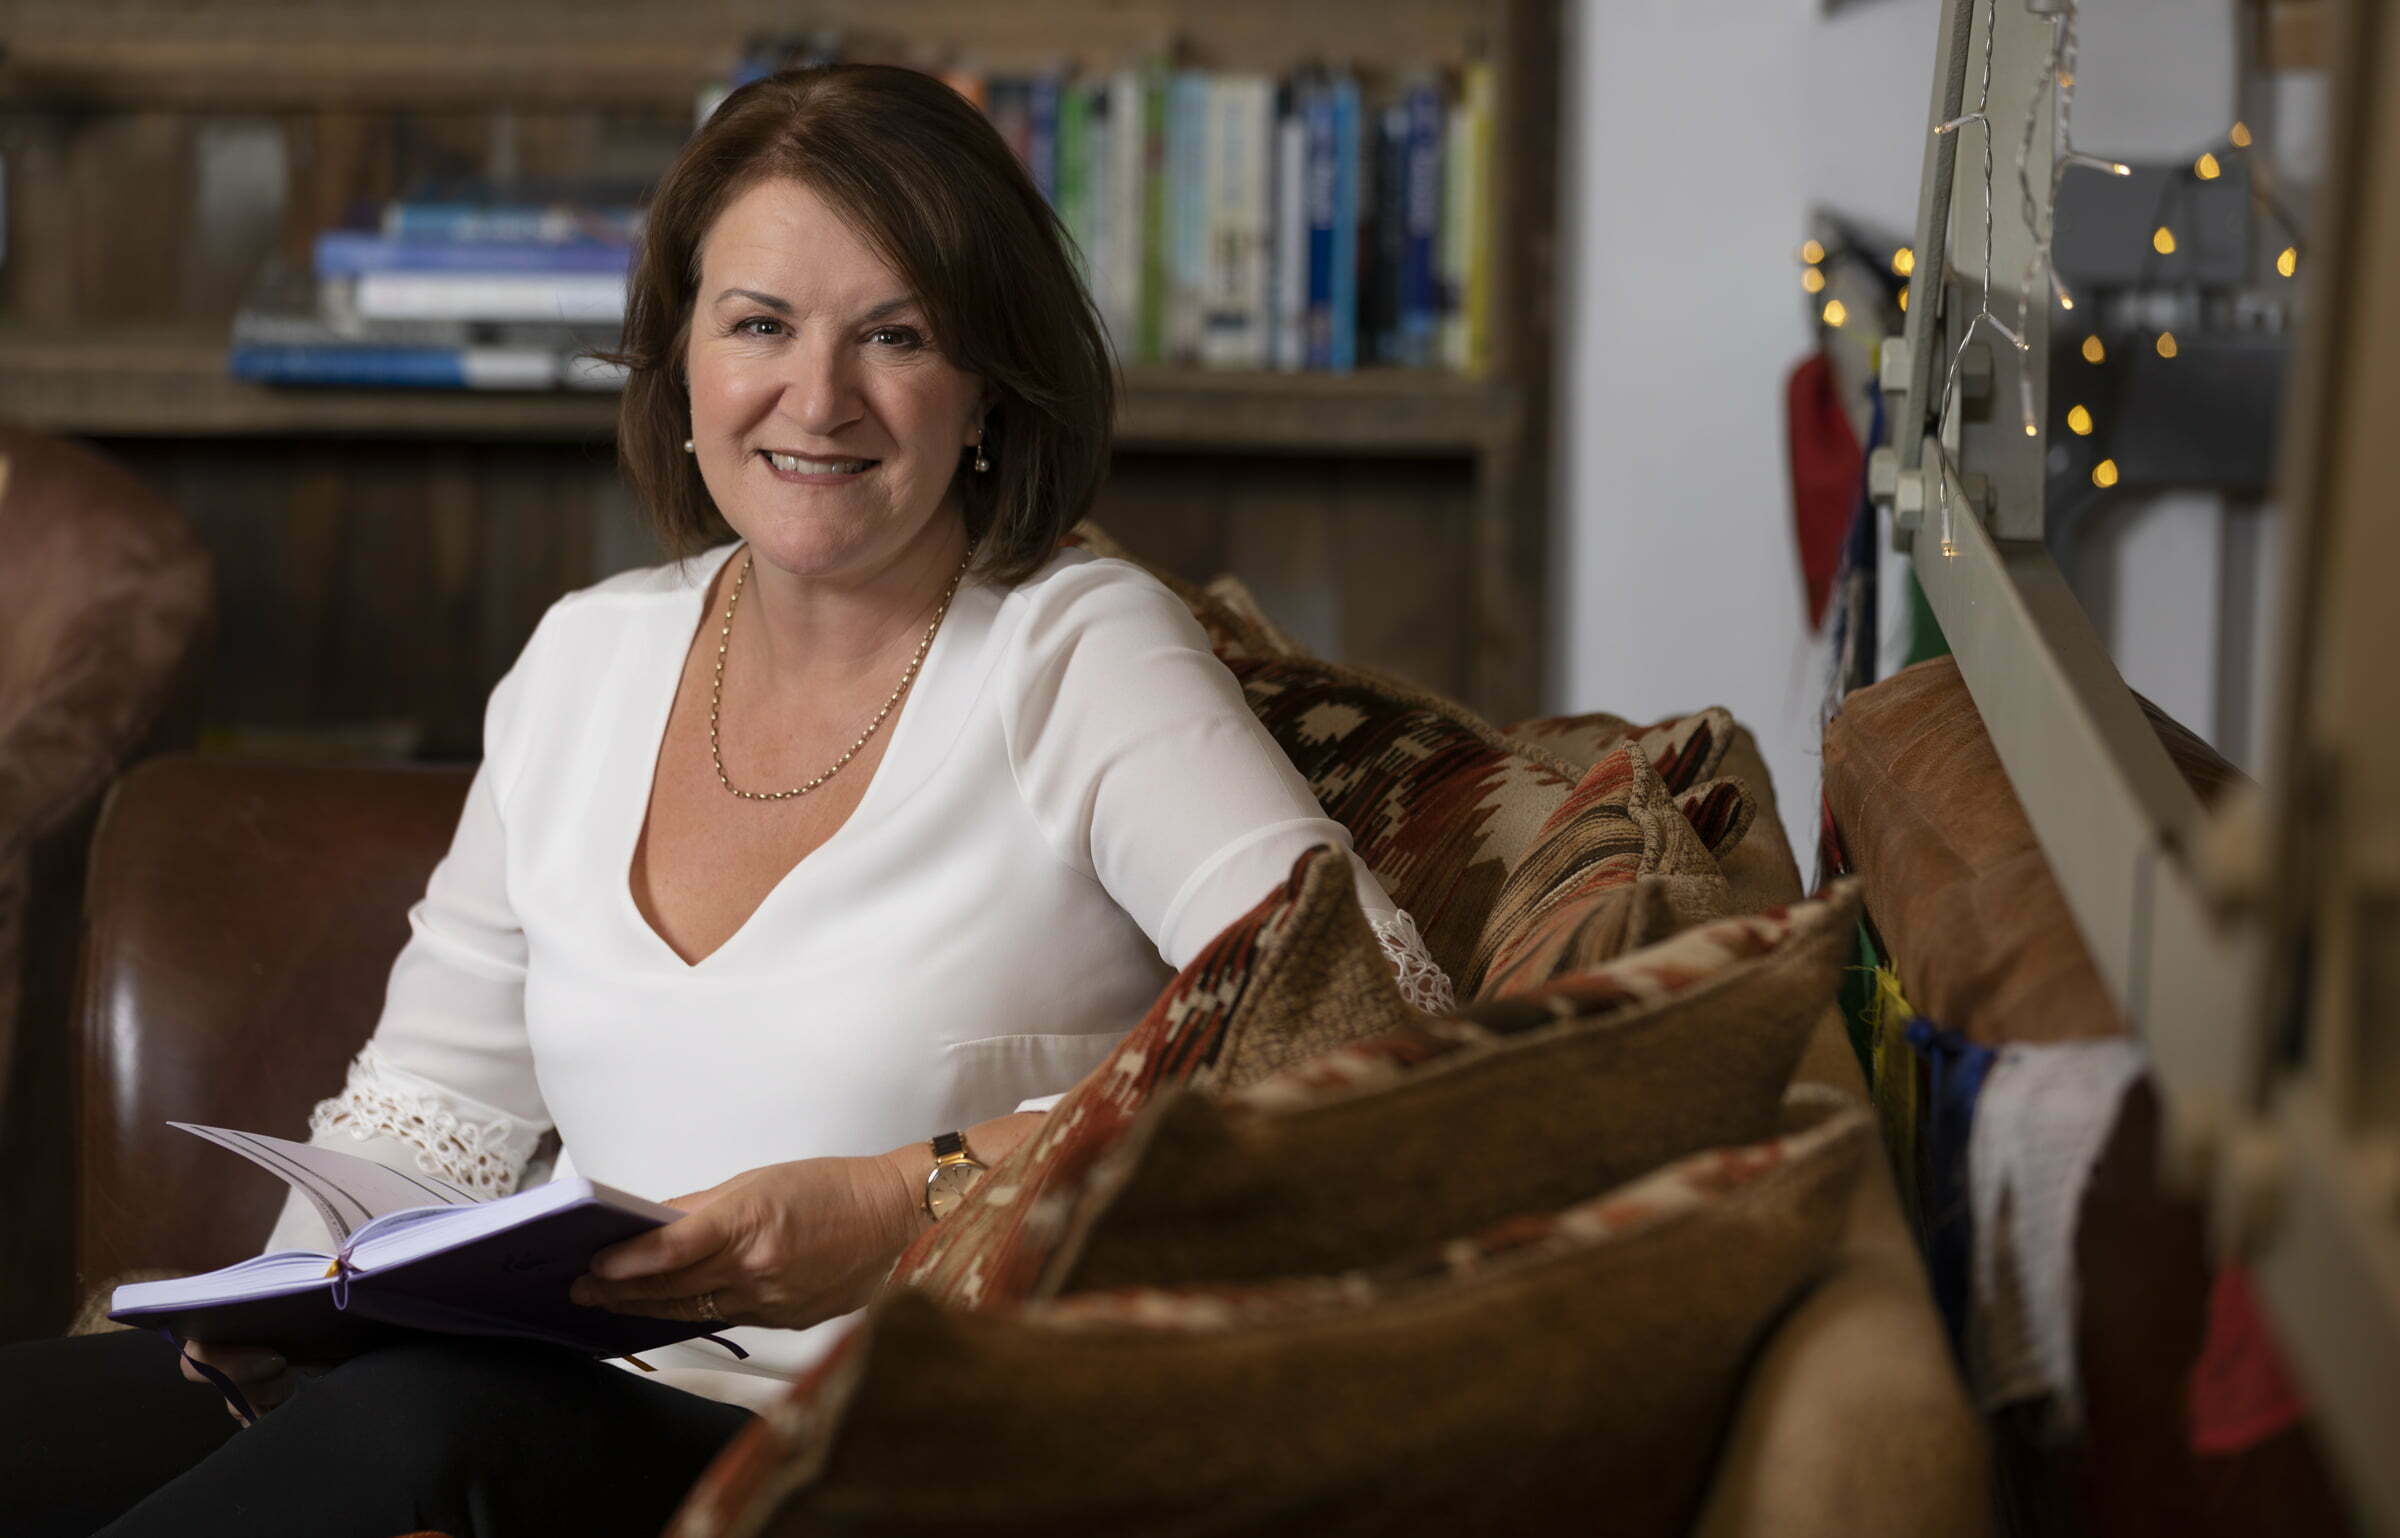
<point x="716" y="1275"/>
<point x="684" y="1242"/>
<point x="687" y="1309"/>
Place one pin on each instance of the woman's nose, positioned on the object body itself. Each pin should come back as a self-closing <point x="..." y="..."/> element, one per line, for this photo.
<point x="821" y="388"/>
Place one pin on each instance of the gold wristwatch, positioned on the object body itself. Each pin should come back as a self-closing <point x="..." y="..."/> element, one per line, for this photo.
<point x="955" y="1172"/>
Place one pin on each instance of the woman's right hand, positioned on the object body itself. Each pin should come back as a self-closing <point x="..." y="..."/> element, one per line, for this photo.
<point x="263" y="1374"/>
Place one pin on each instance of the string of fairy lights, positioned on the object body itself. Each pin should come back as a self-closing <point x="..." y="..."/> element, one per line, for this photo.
<point x="2041" y="216"/>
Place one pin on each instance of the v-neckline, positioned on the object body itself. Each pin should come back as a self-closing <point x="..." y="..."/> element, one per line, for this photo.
<point x="647" y="783"/>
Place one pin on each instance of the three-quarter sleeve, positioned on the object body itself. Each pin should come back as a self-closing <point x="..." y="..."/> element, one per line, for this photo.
<point x="445" y="1084"/>
<point x="1146" y="770"/>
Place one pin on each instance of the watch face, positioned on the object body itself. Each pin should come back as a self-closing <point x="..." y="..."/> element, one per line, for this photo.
<point x="949" y="1186"/>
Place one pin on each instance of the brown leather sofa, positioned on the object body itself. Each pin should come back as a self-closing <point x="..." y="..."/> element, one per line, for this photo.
<point x="104" y="592"/>
<point x="241" y="921"/>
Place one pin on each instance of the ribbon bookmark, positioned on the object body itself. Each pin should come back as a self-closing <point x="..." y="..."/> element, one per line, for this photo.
<point x="217" y="1379"/>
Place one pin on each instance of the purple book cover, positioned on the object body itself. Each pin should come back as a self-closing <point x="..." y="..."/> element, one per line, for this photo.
<point x="413" y="1254"/>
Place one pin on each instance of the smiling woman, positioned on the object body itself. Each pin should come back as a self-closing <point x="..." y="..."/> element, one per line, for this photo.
<point x="801" y="874"/>
<point x="896" y="167"/>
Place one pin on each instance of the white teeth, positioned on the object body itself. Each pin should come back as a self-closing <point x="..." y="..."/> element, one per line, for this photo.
<point x="797" y="464"/>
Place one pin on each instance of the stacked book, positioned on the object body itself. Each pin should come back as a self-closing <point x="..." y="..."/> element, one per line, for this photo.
<point x="1319" y="220"/>
<point x="474" y="294"/>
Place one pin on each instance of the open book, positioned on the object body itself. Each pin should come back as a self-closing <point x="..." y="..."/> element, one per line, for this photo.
<point x="413" y="1253"/>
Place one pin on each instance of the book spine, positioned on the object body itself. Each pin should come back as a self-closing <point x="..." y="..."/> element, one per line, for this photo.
<point x="1102" y="167"/>
<point x="1151" y="205"/>
<point x="422" y="368"/>
<point x="476" y="296"/>
<point x="1234" y="317"/>
<point x="509" y="222"/>
<point x="1321" y="180"/>
<point x="1420" y="300"/>
<point x="1126" y="124"/>
<point x="1346" y="198"/>
<point x="1477" y="271"/>
<point x="1192" y="173"/>
<point x="1387" y="245"/>
<point x="1450" y="253"/>
<point x="1288" y="320"/>
<point x="347" y="253"/>
<point x="1254" y="196"/>
<point x="1041" y="135"/>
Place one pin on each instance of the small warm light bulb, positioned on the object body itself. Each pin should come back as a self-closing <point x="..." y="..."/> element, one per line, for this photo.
<point x="1949" y="550"/>
<point x="1836" y="312"/>
<point x="1904" y="299"/>
<point x="2239" y="137"/>
<point x="2032" y="431"/>
<point x="2162" y="241"/>
<point x="1813" y="279"/>
<point x="2206" y="167"/>
<point x="2093" y="352"/>
<point x="2105" y="473"/>
<point x="1812" y="252"/>
<point x="2066" y="79"/>
<point x="2166" y="344"/>
<point x="2079" y="422"/>
<point x="1904" y="262"/>
<point x="2287" y="261"/>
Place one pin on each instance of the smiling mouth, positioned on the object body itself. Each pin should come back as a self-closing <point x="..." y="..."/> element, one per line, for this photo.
<point x="801" y="464"/>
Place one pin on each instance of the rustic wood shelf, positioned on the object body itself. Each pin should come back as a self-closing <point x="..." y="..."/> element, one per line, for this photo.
<point x="142" y="386"/>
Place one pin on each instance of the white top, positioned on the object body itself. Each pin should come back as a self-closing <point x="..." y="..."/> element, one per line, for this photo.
<point x="1074" y="800"/>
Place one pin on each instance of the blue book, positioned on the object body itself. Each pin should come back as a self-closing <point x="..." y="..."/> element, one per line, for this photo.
<point x="1319" y="197"/>
<point x="413" y="1253"/>
<point x="1041" y="134"/>
<point x="510" y="221"/>
<point x="1420" y="277"/>
<point x="369" y="366"/>
<point x="1344" y="299"/>
<point x="351" y="253"/>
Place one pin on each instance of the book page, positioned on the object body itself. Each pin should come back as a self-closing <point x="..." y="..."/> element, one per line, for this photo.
<point x="348" y="1192"/>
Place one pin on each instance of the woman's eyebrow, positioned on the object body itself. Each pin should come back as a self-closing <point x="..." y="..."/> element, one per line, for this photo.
<point x="783" y="306"/>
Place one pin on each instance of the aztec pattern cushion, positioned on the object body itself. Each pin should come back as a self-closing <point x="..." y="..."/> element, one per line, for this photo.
<point x="1603" y="1345"/>
<point x="1446" y="1125"/>
<point x="1299" y="974"/>
<point x="1618" y="866"/>
<point x="1687" y="751"/>
<point x="1440" y="806"/>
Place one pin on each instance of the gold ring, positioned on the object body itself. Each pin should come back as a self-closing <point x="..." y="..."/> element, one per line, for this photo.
<point x="708" y="1307"/>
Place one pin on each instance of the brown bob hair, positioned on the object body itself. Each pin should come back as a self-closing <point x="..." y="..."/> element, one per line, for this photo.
<point x="928" y="183"/>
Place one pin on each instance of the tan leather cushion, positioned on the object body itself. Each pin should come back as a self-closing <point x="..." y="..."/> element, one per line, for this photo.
<point x="1955" y="881"/>
<point x="241" y="920"/>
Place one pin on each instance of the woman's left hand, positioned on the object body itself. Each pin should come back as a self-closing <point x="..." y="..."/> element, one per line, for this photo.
<point x="787" y="1245"/>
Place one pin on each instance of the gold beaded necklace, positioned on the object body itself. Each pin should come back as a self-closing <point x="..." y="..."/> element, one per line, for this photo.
<point x="716" y="689"/>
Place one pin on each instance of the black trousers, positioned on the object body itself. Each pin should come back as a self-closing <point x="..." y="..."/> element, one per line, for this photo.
<point x="476" y="1438"/>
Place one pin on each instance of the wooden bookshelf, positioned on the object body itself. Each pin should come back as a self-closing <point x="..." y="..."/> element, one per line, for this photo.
<point x="111" y="386"/>
<point x="1403" y="509"/>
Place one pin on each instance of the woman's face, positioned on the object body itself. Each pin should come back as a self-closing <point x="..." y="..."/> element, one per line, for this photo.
<point x="808" y="355"/>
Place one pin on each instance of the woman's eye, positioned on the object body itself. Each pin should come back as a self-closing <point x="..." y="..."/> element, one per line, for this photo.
<point x="902" y="336"/>
<point x="747" y="327"/>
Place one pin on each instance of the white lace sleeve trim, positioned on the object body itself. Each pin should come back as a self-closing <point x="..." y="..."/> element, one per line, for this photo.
<point x="1422" y="981"/>
<point x="379" y="1100"/>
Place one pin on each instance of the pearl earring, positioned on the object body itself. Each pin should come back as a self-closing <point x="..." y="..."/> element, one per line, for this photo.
<point x="687" y="445"/>
<point x="981" y="464"/>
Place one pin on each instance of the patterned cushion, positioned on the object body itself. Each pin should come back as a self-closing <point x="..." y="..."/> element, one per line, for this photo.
<point x="1446" y="1125"/>
<point x="1299" y="974"/>
<point x="1570" y="1370"/>
<point x="1618" y="866"/>
<point x="1439" y="805"/>
<point x="1685" y="750"/>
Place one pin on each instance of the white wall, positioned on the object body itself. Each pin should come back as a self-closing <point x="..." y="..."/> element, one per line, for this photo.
<point x="1698" y="135"/>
